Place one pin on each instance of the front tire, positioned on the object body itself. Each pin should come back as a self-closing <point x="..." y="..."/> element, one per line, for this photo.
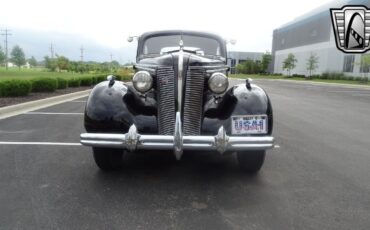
<point x="251" y="161"/>
<point x="108" y="159"/>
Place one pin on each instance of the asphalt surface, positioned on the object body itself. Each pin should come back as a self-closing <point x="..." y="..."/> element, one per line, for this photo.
<point x="319" y="178"/>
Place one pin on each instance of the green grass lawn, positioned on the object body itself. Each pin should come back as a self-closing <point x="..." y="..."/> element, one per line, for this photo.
<point x="15" y="73"/>
<point x="259" y="76"/>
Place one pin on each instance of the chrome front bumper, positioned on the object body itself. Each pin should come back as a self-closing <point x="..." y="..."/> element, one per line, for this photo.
<point x="220" y="142"/>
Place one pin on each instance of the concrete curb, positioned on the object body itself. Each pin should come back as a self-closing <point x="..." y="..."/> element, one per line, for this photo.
<point x="314" y="83"/>
<point x="17" y="109"/>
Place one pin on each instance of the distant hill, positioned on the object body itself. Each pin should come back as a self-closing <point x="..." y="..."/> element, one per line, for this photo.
<point x="37" y="44"/>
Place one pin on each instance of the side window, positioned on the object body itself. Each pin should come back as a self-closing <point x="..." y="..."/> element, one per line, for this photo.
<point x="348" y="63"/>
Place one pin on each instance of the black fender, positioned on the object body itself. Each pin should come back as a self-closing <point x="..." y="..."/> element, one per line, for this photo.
<point x="238" y="100"/>
<point x="114" y="108"/>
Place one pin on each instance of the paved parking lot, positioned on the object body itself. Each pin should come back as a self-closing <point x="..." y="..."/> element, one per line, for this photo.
<point x="317" y="179"/>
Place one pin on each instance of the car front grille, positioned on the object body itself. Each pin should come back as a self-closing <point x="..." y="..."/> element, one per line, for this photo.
<point x="193" y="100"/>
<point x="166" y="100"/>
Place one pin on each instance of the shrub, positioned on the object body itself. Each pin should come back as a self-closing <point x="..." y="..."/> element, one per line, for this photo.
<point x="86" y="81"/>
<point x="299" y="75"/>
<point x="350" y="78"/>
<point x="15" y="88"/>
<point x="62" y="83"/>
<point x="94" y="80"/>
<point x="124" y="77"/>
<point x="249" y="67"/>
<point x="74" y="82"/>
<point x="44" y="85"/>
<point x="101" y="78"/>
<point x="338" y="76"/>
<point x="363" y="79"/>
<point x="325" y="75"/>
<point x="125" y="74"/>
<point x="315" y="76"/>
<point x="333" y="76"/>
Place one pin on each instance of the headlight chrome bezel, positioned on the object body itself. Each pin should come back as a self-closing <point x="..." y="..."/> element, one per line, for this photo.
<point x="142" y="77"/>
<point x="218" y="89"/>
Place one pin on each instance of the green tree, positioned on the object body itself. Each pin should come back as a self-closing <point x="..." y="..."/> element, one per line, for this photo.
<point x="81" y="67"/>
<point x="32" y="61"/>
<point x="72" y="67"/>
<point x="62" y="63"/>
<point x="249" y="67"/>
<point x="114" y="65"/>
<point x="312" y="63"/>
<point x="17" y="56"/>
<point x="289" y="63"/>
<point x="266" y="60"/>
<point x="2" y="56"/>
<point x="365" y="64"/>
<point x="50" y="63"/>
<point x="105" y="67"/>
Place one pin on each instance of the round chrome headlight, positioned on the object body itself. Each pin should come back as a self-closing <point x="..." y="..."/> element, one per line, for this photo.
<point x="142" y="81"/>
<point x="218" y="83"/>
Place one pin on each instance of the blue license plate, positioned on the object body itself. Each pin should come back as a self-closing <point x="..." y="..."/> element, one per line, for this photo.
<point x="249" y="124"/>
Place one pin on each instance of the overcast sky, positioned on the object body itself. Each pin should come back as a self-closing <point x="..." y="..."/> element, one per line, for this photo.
<point x="109" y="22"/>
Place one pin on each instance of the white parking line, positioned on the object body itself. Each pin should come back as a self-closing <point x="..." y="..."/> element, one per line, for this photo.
<point x="39" y="143"/>
<point x="49" y="113"/>
<point x="79" y="101"/>
<point x="13" y="110"/>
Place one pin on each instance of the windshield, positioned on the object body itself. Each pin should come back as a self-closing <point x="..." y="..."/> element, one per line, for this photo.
<point x="204" y="46"/>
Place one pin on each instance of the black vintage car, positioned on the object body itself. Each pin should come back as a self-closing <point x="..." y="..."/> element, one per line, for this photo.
<point x="179" y="100"/>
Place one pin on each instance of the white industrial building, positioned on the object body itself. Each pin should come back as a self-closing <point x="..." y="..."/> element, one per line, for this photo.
<point x="313" y="33"/>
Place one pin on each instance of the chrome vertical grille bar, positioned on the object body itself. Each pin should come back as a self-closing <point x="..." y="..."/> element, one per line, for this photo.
<point x="166" y="100"/>
<point x="180" y="79"/>
<point x="193" y="101"/>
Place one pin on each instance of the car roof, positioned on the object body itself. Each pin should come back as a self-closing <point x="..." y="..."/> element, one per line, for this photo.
<point x="184" y="32"/>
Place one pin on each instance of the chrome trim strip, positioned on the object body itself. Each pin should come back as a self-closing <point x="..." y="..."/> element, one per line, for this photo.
<point x="215" y="67"/>
<point x="146" y="65"/>
<point x="216" y="70"/>
<point x="150" y="70"/>
<point x="180" y="78"/>
<point x="221" y="142"/>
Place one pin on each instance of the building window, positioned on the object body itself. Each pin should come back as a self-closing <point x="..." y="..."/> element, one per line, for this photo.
<point x="348" y="63"/>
